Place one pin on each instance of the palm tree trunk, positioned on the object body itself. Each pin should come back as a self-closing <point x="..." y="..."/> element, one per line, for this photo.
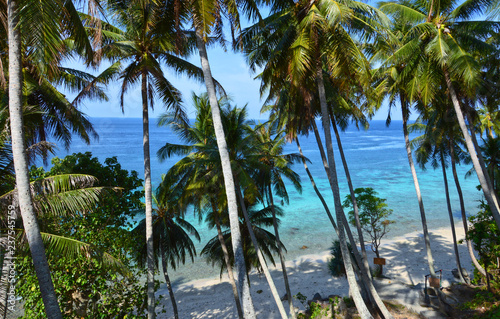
<point x="30" y="222"/>
<point x="148" y="198"/>
<point x="481" y="159"/>
<point x="357" y="256"/>
<point x="353" y="198"/>
<point x="486" y="187"/>
<point x="427" y="240"/>
<point x="452" y="223"/>
<point x="325" y="206"/>
<point x="167" y="280"/>
<point x="462" y="210"/>
<point x="365" y="273"/>
<point x="239" y="259"/>
<point x="262" y="261"/>
<point x="351" y="278"/>
<point x="228" y="263"/>
<point x="282" y="258"/>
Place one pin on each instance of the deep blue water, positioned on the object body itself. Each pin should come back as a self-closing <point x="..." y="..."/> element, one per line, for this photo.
<point x="376" y="158"/>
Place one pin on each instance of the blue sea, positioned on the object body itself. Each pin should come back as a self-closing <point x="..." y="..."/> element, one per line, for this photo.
<point x="376" y="158"/>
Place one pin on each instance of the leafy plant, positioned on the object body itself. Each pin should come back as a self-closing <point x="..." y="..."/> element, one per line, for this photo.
<point x="373" y="214"/>
<point x="336" y="263"/>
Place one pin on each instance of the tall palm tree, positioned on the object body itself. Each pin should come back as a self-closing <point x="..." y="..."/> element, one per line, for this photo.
<point x="277" y="165"/>
<point x="171" y="240"/>
<point x="307" y="38"/>
<point x="147" y="43"/>
<point x="433" y="146"/>
<point x="441" y="30"/>
<point x="245" y="161"/>
<point x="56" y="17"/>
<point x="196" y="174"/>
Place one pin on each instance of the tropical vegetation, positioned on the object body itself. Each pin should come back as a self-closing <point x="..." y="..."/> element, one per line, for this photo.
<point x="84" y="246"/>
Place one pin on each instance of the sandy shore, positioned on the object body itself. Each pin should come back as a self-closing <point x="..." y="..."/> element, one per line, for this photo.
<point x="406" y="262"/>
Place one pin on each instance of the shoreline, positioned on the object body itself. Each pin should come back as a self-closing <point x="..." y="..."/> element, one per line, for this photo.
<point x="308" y="274"/>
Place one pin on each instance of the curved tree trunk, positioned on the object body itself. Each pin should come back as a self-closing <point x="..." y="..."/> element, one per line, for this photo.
<point x="351" y="278"/>
<point x="325" y="206"/>
<point x="427" y="240"/>
<point x="365" y="273"/>
<point x="282" y="258"/>
<point x="462" y="210"/>
<point x="353" y="198"/>
<point x="167" y="280"/>
<point x="30" y="222"/>
<point x="452" y="223"/>
<point x="357" y="255"/>
<point x="148" y="199"/>
<point x="262" y="261"/>
<point x="485" y="186"/>
<point x="480" y="155"/>
<point x="228" y="263"/>
<point x="239" y="259"/>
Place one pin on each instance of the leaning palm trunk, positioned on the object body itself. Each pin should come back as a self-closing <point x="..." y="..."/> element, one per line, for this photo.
<point x="239" y="259"/>
<point x="282" y="258"/>
<point x="262" y="261"/>
<point x="462" y="210"/>
<point x="365" y="273"/>
<point x="30" y="222"/>
<point x="148" y="198"/>
<point x="427" y="240"/>
<point x="325" y="206"/>
<point x="480" y="155"/>
<point x="485" y="186"/>
<point x="357" y="255"/>
<point x="167" y="280"/>
<point x="228" y="263"/>
<point x="353" y="198"/>
<point x="351" y="278"/>
<point x="452" y="223"/>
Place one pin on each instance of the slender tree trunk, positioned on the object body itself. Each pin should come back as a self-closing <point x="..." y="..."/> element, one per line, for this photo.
<point x="239" y="259"/>
<point x="228" y="263"/>
<point x="30" y="222"/>
<point x="357" y="255"/>
<point x="427" y="240"/>
<point x="452" y="223"/>
<point x="462" y="210"/>
<point x="480" y="155"/>
<point x="486" y="187"/>
<point x="365" y="273"/>
<point x="148" y="199"/>
<point x="351" y="278"/>
<point x="262" y="261"/>
<point x="167" y="280"/>
<point x="282" y="258"/>
<point x="325" y="206"/>
<point x="353" y="198"/>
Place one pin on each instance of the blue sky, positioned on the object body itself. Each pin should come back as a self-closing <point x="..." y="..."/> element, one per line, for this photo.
<point x="228" y="68"/>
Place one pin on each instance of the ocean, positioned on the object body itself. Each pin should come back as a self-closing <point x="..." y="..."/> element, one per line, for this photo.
<point x="376" y="158"/>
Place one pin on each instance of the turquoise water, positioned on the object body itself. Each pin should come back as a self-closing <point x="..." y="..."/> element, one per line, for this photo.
<point x="376" y="158"/>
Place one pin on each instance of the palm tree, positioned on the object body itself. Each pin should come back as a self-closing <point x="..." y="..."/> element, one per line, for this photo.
<point x="442" y="32"/>
<point x="259" y="218"/>
<point x="399" y="82"/>
<point x="147" y="43"/>
<point x="277" y="165"/>
<point x="57" y="18"/>
<point x="196" y="173"/>
<point x="245" y="161"/>
<point x="303" y="41"/>
<point x="171" y="240"/>
<point x="433" y="146"/>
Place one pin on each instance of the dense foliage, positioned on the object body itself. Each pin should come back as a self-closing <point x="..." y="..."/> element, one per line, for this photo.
<point x="86" y="287"/>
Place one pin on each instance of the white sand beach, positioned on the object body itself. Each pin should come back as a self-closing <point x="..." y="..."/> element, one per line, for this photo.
<point x="406" y="262"/>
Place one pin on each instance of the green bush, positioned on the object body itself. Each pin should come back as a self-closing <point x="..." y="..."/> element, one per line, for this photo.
<point x="336" y="263"/>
